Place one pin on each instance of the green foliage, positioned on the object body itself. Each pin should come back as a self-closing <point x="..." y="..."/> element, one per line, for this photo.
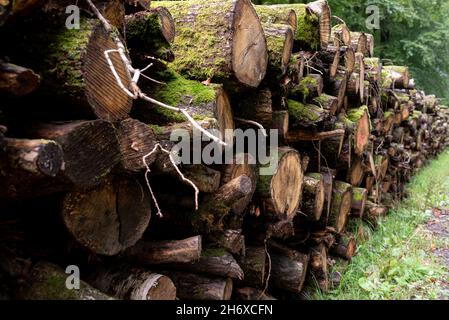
<point x="412" y="33"/>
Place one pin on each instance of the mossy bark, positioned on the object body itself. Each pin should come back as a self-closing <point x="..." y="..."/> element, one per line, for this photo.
<point x="308" y="88"/>
<point x="218" y="40"/>
<point x="305" y="115"/>
<point x="280" y="45"/>
<point x="341" y="205"/>
<point x="151" y="33"/>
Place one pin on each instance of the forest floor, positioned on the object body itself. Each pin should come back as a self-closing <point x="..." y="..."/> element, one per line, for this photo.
<point x="407" y="256"/>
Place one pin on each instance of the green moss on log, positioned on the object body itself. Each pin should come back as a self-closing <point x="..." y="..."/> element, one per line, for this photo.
<point x="304" y="114"/>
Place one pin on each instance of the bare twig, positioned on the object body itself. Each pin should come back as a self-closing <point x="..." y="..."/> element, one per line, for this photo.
<point x="257" y="124"/>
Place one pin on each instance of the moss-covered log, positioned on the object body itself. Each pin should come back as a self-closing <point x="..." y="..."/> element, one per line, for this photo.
<point x="108" y="218"/>
<point x="256" y="105"/>
<point x="151" y="33"/>
<point x="341" y="205"/>
<point x="277" y="15"/>
<point x="73" y="65"/>
<point x="305" y="115"/>
<point x="359" y="198"/>
<point x="164" y="252"/>
<point x="27" y="166"/>
<point x="129" y="283"/>
<point x="395" y="77"/>
<point x="345" y="247"/>
<point x="231" y="240"/>
<point x="341" y="33"/>
<point x="47" y="281"/>
<point x="308" y="88"/>
<point x="280" y="184"/>
<point x="218" y="40"/>
<point x="205" y="103"/>
<point x="280" y="40"/>
<point x="255" y="266"/>
<point x="337" y="88"/>
<point x="358" y="124"/>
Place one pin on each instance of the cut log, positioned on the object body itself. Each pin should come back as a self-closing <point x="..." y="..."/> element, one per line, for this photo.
<point x="231" y="45"/>
<point x="318" y="267"/>
<point x="308" y="88"/>
<point x="27" y="166"/>
<point x="248" y="293"/>
<point x="165" y="252"/>
<point x="108" y="218"/>
<point x="357" y="123"/>
<point x="90" y="149"/>
<point x="395" y="77"/>
<point x="48" y="282"/>
<point x="345" y="247"/>
<point x="73" y="66"/>
<point x="215" y="262"/>
<point x="277" y="15"/>
<point x="363" y="43"/>
<point x="256" y="105"/>
<point x="151" y="33"/>
<point x="254" y="265"/>
<point x="327" y="102"/>
<point x="341" y="33"/>
<point x="126" y="282"/>
<point x="231" y="240"/>
<point x="359" y="198"/>
<point x="337" y="88"/>
<point x="313" y="196"/>
<point x="215" y="207"/>
<point x="280" y="40"/>
<point x="280" y="183"/>
<point x="305" y="115"/>
<point x="323" y="11"/>
<point x="16" y="80"/>
<point x="341" y="205"/>
<point x="288" y="269"/>
<point x="242" y="164"/>
<point x="356" y="172"/>
<point x="190" y="286"/>
<point x="281" y="122"/>
<point x="374" y="212"/>
<point x="208" y="103"/>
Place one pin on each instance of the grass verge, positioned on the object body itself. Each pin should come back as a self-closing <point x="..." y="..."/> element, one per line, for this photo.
<point x="396" y="262"/>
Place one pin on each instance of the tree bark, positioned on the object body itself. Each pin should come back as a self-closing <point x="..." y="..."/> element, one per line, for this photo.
<point x="229" y="46"/>
<point x="313" y="196"/>
<point x="165" y="252"/>
<point x="16" y="80"/>
<point x="341" y="205"/>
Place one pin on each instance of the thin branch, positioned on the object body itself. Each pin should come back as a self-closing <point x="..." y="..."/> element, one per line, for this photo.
<point x="257" y="124"/>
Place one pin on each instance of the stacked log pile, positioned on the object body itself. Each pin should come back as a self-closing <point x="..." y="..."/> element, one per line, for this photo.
<point x="85" y="174"/>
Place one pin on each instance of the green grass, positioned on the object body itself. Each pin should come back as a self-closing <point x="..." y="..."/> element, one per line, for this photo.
<point x="397" y="261"/>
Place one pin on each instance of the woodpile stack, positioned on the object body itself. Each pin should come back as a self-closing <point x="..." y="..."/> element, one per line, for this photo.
<point x="85" y="179"/>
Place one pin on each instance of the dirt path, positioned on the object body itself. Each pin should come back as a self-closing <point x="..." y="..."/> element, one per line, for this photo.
<point x="438" y="227"/>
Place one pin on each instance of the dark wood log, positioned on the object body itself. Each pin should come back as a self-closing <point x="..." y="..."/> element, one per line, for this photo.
<point x="215" y="262"/>
<point x="28" y="166"/>
<point x="254" y="265"/>
<point x="327" y="102"/>
<point x="48" y="282"/>
<point x="281" y="122"/>
<point x="10" y="10"/>
<point x="358" y="124"/>
<point x="90" y="149"/>
<point x="319" y="273"/>
<point x="130" y="283"/>
<point x="248" y="293"/>
<point x="305" y="115"/>
<point x="373" y="213"/>
<point x="16" y="80"/>
<point x="341" y="205"/>
<point x="288" y="269"/>
<point x="199" y="47"/>
<point x="165" y="252"/>
<point x="313" y="196"/>
<point x="110" y="217"/>
<point x="280" y="186"/>
<point x="345" y="247"/>
<point x="280" y="38"/>
<point x="192" y="286"/>
<point x="151" y="33"/>
<point x="256" y="105"/>
<point x="231" y="240"/>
